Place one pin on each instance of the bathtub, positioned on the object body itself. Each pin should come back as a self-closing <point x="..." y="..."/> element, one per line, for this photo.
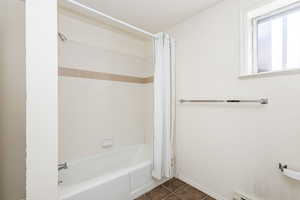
<point x="121" y="174"/>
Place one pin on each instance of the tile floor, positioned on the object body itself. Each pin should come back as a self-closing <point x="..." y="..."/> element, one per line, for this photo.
<point x="175" y="189"/>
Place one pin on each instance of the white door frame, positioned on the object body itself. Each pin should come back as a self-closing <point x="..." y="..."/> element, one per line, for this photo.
<point x="41" y="102"/>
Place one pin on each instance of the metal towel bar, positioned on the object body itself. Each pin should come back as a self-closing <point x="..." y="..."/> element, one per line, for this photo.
<point x="260" y="101"/>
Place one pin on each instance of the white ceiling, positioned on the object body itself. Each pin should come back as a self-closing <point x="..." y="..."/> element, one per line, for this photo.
<point x="151" y="15"/>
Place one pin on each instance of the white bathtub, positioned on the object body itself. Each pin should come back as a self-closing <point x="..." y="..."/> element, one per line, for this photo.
<point x="122" y="174"/>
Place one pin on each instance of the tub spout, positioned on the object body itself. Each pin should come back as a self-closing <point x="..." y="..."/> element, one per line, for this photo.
<point x="62" y="166"/>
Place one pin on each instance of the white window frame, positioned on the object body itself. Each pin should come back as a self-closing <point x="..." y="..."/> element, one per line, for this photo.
<point x="249" y="20"/>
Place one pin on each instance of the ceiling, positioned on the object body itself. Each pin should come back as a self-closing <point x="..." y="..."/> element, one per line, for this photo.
<point x="151" y="15"/>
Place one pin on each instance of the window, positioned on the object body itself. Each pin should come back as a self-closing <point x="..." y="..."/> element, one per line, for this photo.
<point x="274" y="40"/>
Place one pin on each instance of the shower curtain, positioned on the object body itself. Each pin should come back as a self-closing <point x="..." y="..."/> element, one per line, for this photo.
<point x="164" y="106"/>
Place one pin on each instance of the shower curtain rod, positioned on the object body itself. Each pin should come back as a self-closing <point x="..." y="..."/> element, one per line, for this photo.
<point x="112" y="18"/>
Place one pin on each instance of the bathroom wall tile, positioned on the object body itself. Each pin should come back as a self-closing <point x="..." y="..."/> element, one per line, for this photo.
<point x="148" y="79"/>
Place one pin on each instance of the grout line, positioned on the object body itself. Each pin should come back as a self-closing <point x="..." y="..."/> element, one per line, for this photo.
<point x="171" y="192"/>
<point x="183" y="199"/>
<point x="174" y="192"/>
<point x="177" y="196"/>
<point x="180" y="187"/>
<point x="166" y="188"/>
<point x="175" y="189"/>
<point x="167" y="196"/>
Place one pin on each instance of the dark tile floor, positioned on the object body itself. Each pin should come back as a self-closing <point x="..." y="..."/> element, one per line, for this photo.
<point x="175" y="189"/>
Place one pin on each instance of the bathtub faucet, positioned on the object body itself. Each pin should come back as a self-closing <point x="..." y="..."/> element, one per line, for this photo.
<point x="62" y="166"/>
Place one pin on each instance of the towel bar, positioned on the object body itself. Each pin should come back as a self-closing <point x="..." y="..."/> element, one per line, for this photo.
<point x="261" y="101"/>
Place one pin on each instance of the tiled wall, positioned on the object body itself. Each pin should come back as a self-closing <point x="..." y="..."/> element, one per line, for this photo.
<point x="105" y="87"/>
<point x="69" y="72"/>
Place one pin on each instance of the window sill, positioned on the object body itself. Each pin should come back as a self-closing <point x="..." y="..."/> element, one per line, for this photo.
<point x="270" y="74"/>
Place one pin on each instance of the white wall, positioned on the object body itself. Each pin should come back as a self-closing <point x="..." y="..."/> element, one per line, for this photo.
<point x="91" y="111"/>
<point x="41" y="100"/>
<point x="227" y="148"/>
<point x="12" y="98"/>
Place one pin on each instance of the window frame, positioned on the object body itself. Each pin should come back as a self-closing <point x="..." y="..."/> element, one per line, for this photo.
<point x="250" y="20"/>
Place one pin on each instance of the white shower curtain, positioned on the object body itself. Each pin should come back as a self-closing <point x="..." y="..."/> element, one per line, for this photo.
<point x="164" y="106"/>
